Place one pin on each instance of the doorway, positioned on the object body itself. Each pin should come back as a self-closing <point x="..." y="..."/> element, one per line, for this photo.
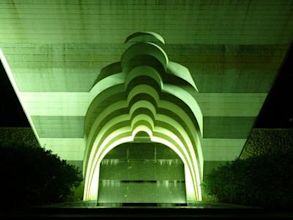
<point x="142" y="173"/>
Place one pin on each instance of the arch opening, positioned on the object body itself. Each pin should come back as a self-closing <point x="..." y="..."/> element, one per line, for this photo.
<point x="155" y="177"/>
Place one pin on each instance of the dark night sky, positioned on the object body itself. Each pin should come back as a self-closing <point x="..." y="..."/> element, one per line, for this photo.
<point x="11" y="113"/>
<point x="277" y="111"/>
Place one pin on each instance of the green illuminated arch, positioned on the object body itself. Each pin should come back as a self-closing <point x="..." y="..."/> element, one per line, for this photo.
<point x="146" y="95"/>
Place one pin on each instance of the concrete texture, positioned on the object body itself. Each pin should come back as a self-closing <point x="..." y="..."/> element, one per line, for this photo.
<point x="56" y="50"/>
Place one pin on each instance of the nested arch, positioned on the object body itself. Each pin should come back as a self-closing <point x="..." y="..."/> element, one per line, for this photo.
<point x="142" y="96"/>
<point x="181" y="139"/>
<point x="148" y="99"/>
<point x="149" y="95"/>
<point x="124" y="135"/>
<point x="170" y="133"/>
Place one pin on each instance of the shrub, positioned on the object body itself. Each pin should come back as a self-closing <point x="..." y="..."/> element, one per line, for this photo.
<point x="31" y="175"/>
<point x="264" y="180"/>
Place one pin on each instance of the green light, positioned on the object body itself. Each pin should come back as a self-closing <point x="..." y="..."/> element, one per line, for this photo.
<point x="161" y="128"/>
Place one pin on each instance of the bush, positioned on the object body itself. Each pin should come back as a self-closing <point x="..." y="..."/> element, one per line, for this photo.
<point x="267" y="141"/>
<point x="31" y="175"/>
<point x="264" y="180"/>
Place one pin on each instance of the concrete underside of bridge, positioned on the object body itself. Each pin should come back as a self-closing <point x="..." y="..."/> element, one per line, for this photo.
<point x="55" y="50"/>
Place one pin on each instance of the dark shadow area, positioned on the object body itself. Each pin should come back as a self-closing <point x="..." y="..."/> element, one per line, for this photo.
<point x="277" y="111"/>
<point x="263" y="180"/>
<point x="150" y="213"/>
<point x="11" y="112"/>
<point x="32" y="176"/>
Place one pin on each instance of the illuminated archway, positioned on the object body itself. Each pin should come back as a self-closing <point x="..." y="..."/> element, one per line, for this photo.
<point x="145" y="92"/>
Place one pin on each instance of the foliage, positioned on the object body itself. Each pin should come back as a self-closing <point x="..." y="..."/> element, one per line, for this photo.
<point x="17" y="135"/>
<point x="263" y="180"/>
<point x="31" y="175"/>
<point x="267" y="141"/>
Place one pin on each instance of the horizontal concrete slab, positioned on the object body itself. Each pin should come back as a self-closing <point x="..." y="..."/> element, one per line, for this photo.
<point x="67" y="148"/>
<point x="59" y="126"/>
<point x="217" y="149"/>
<point x="227" y="127"/>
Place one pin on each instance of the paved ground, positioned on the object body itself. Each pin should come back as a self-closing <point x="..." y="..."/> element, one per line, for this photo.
<point x="200" y="211"/>
<point x="94" y="205"/>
